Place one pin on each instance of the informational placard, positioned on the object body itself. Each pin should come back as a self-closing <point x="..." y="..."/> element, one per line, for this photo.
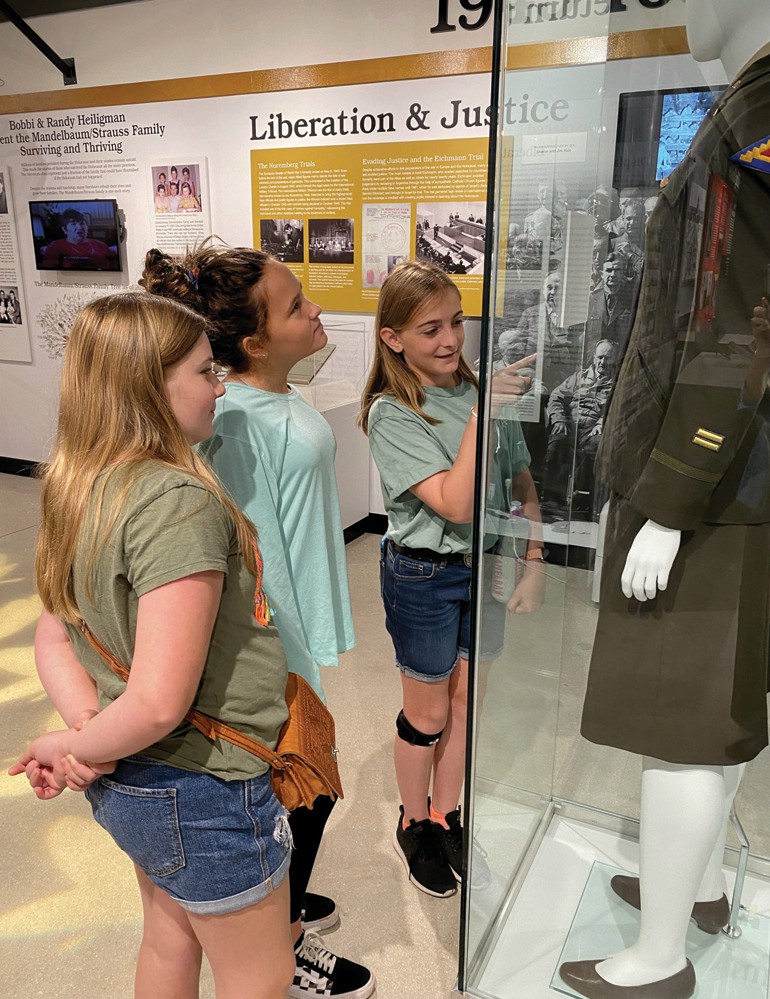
<point x="14" y="326"/>
<point x="342" y="217"/>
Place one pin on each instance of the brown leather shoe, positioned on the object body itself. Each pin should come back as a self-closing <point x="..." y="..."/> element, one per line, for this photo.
<point x="583" y="977"/>
<point x="710" y="916"/>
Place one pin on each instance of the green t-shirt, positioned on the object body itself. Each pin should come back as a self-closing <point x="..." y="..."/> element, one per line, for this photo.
<point x="170" y="526"/>
<point x="408" y="450"/>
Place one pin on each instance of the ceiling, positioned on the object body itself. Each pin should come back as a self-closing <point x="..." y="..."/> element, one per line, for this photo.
<point x="33" y="8"/>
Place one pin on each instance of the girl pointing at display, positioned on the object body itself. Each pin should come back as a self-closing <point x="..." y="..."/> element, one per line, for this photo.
<point x="419" y="410"/>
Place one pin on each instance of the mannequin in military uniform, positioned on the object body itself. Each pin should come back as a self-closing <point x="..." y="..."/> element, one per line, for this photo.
<point x="679" y="671"/>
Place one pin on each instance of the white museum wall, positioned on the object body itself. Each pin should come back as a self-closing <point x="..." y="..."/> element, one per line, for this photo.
<point x="166" y="39"/>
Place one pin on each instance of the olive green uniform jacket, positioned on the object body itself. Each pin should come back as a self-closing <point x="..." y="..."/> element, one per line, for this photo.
<point x="681" y="432"/>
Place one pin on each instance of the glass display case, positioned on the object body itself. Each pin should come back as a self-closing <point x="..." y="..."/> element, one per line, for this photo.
<point x="593" y="118"/>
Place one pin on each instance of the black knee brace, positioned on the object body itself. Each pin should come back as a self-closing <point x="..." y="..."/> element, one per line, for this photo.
<point x="413" y="736"/>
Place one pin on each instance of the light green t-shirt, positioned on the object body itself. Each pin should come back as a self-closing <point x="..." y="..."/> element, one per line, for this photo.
<point x="407" y="450"/>
<point x="171" y="526"/>
<point x="275" y="454"/>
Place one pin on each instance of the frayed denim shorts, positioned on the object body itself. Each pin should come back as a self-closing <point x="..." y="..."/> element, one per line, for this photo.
<point x="214" y="846"/>
<point x="428" y="614"/>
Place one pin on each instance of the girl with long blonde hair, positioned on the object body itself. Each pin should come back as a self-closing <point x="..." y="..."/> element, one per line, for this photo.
<point x="136" y="540"/>
<point x="275" y="454"/>
<point x="419" y="409"/>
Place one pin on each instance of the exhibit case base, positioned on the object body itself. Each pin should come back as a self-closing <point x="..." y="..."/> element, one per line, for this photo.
<point x="562" y="908"/>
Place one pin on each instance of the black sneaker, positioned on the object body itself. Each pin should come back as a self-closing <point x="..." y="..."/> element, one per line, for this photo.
<point x="321" y="973"/>
<point x="422" y="856"/>
<point x="451" y="842"/>
<point x="318" y="912"/>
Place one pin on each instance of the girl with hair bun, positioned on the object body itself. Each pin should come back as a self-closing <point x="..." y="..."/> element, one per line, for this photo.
<point x="136" y="539"/>
<point x="275" y="454"/>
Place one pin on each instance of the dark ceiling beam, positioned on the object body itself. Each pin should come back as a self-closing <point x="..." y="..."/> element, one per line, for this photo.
<point x="65" y="66"/>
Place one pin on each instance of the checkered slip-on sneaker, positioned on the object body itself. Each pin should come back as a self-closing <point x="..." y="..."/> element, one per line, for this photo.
<point x="321" y="973"/>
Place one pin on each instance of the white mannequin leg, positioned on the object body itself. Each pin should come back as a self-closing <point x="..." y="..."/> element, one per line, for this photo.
<point x="713" y="884"/>
<point x="682" y="817"/>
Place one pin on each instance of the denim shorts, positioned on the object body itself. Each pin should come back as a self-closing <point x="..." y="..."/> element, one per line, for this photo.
<point x="428" y="615"/>
<point x="214" y="846"/>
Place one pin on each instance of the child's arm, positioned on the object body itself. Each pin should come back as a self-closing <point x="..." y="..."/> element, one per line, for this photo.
<point x="173" y="632"/>
<point x="523" y="489"/>
<point x="530" y="590"/>
<point x="68" y="685"/>
<point x="450" y="493"/>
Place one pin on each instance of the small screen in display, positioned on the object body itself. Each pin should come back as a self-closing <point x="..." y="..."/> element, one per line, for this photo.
<point x="655" y="129"/>
<point x="681" y="116"/>
<point x="76" y="235"/>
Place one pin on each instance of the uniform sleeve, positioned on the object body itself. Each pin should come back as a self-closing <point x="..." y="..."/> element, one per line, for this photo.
<point x="182" y="531"/>
<point x="403" y="448"/>
<point x="705" y="423"/>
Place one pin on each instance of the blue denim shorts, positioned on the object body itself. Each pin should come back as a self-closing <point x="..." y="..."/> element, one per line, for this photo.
<point x="428" y="615"/>
<point x="214" y="846"/>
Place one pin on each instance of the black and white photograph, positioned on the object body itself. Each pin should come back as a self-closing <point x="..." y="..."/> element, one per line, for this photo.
<point x="330" y="241"/>
<point x="3" y="196"/>
<point x="283" y="239"/>
<point x="451" y="235"/>
<point x="575" y="362"/>
<point x="10" y="306"/>
<point x="536" y="227"/>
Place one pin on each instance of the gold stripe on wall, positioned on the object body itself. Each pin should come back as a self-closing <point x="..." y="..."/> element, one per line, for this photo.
<point x="263" y="81"/>
<point x="460" y="62"/>
<point x="582" y="51"/>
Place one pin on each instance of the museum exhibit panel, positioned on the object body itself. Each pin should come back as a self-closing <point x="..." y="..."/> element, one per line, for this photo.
<point x="618" y="775"/>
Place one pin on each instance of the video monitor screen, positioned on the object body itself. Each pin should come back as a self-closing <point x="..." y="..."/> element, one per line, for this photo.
<point x="76" y="235"/>
<point x="655" y="129"/>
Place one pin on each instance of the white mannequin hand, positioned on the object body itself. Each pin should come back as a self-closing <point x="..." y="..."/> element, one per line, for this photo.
<point x="649" y="561"/>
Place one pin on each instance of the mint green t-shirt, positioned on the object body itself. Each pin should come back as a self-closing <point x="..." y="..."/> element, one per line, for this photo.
<point x="407" y="450"/>
<point x="170" y="526"/>
<point x="275" y="455"/>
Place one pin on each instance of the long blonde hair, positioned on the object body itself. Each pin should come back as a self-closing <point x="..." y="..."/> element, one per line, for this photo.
<point x="405" y="290"/>
<point x="113" y="414"/>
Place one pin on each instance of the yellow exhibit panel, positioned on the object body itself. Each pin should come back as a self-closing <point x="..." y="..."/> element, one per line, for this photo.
<point x="342" y="217"/>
